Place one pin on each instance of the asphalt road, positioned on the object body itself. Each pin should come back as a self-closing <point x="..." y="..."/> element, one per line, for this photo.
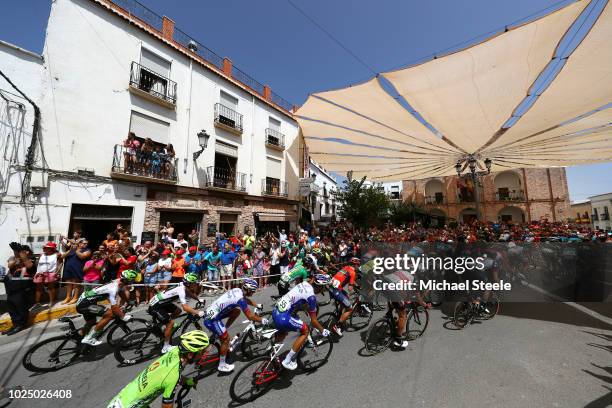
<point x="530" y="355"/>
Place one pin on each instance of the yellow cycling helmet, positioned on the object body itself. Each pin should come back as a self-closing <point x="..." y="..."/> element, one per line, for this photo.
<point x="194" y="341"/>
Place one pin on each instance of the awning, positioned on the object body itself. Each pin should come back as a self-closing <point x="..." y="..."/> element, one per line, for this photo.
<point x="498" y="99"/>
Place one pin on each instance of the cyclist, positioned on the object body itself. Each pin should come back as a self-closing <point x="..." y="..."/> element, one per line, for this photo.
<point x="346" y="276"/>
<point x="229" y="306"/>
<point x="300" y="272"/>
<point x="163" y="375"/>
<point x="162" y="305"/>
<point x="88" y="305"/>
<point x="285" y="314"/>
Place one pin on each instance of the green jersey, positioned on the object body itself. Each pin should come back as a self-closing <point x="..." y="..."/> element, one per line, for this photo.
<point x="161" y="377"/>
<point x="298" y="271"/>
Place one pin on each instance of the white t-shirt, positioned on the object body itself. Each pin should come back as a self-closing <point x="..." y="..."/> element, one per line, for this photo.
<point x="47" y="263"/>
<point x="274" y="256"/>
<point x="167" y="263"/>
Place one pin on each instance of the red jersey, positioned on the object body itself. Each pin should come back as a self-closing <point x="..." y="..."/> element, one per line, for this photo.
<point x="343" y="276"/>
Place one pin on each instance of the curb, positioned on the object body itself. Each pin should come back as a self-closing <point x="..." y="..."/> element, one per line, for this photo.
<point x="42" y="316"/>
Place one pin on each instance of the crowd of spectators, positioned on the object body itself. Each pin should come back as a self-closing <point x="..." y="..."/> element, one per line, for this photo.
<point x="225" y="259"/>
<point x="147" y="158"/>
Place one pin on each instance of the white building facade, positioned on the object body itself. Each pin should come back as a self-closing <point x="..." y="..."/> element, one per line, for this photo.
<point x="109" y="69"/>
<point x="601" y="206"/>
<point x="322" y="197"/>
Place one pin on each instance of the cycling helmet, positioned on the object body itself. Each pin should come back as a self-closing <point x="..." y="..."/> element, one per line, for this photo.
<point x="190" y="278"/>
<point x="355" y="261"/>
<point x="194" y="341"/>
<point x="321" y="279"/>
<point x="129" y="275"/>
<point x="249" y="284"/>
<point x="316" y="250"/>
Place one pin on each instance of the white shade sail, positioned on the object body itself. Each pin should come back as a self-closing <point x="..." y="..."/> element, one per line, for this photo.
<point x="466" y="100"/>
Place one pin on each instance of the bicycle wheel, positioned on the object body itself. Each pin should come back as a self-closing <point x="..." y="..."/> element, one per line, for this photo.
<point x="254" y="379"/>
<point x="361" y="317"/>
<point x="208" y="361"/>
<point x="52" y="354"/>
<point x="314" y="355"/>
<point x="327" y="320"/>
<point x="323" y="298"/>
<point x="416" y="324"/>
<point x="379" y="336"/>
<point x="461" y="314"/>
<point x="252" y="346"/>
<point x="139" y="345"/>
<point x="189" y="325"/>
<point x="118" y="331"/>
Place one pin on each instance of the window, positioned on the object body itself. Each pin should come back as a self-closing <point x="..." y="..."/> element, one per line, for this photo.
<point x="274" y="124"/>
<point x="229" y="101"/>
<point x="274" y="168"/>
<point x="155" y="63"/>
<point x="145" y="126"/>
<point x="152" y="76"/>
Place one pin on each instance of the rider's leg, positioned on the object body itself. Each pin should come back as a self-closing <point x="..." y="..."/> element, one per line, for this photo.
<point x="297" y="345"/>
<point x="401" y="322"/>
<point x="106" y="318"/>
<point x="345" y="315"/>
<point x="232" y="316"/>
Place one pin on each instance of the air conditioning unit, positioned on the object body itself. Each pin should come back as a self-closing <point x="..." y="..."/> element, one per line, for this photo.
<point x="38" y="182"/>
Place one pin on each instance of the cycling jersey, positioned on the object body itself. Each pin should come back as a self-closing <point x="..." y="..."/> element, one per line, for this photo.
<point x="346" y="275"/>
<point x="170" y="295"/>
<point x="298" y="271"/>
<point x="230" y="300"/>
<point x="161" y="377"/>
<point x="105" y="292"/>
<point x="301" y="294"/>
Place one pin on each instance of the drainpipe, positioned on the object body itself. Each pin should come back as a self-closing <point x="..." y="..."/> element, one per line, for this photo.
<point x="189" y="115"/>
<point x="552" y="199"/>
<point x="31" y="154"/>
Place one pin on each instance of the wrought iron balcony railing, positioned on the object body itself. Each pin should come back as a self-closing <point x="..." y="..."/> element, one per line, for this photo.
<point x="435" y="200"/>
<point x="595" y="217"/>
<point x="275" y="138"/>
<point x="466" y="198"/>
<point x="515" y="195"/>
<point x="152" y="83"/>
<point x="274" y="187"/>
<point x="220" y="177"/>
<point x="139" y="165"/>
<point x="228" y="117"/>
<point x="604" y="217"/>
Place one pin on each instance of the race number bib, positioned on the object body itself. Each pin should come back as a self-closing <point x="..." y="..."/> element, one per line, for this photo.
<point x="336" y="283"/>
<point x="212" y="312"/>
<point x="283" y="305"/>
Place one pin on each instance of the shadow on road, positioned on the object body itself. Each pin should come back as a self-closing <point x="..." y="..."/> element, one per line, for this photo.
<point x="601" y="373"/>
<point x="552" y="312"/>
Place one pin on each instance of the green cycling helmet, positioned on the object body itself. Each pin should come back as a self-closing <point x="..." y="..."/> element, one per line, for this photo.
<point x="190" y="278"/>
<point x="129" y="275"/>
<point x="194" y="341"/>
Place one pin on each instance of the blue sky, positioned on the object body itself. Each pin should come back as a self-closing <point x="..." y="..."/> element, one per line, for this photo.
<point x="274" y="43"/>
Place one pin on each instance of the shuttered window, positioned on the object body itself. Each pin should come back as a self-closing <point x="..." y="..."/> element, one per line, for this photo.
<point x="226" y="149"/>
<point x="274" y="124"/>
<point x="145" y="126"/>
<point x="228" y="101"/>
<point x="155" y="63"/>
<point x="274" y="168"/>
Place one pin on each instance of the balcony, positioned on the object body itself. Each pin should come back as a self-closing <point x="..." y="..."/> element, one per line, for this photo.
<point x="228" y="119"/>
<point x="225" y="179"/>
<point x="594" y="217"/>
<point x="514" y="195"/>
<point x="466" y="198"/>
<point x="275" y="139"/>
<point x="274" y="187"/>
<point x="604" y="217"/>
<point x="143" y="167"/>
<point x="435" y="200"/>
<point x="152" y="86"/>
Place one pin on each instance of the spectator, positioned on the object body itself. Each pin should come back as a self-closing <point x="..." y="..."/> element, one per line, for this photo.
<point x="194" y="238"/>
<point x="178" y="266"/>
<point x="150" y="272"/>
<point x="284" y="258"/>
<point x="168" y="156"/>
<point x="247" y="241"/>
<point x="274" y="261"/>
<point x="282" y="236"/>
<point x="179" y="241"/>
<point x="74" y="261"/>
<point x="92" y="271"/>
<point x="111" y="240"/>
<point x="131" y="145"/>
<point x="258" y="265"/>
<point x="46" y="275"/>
<point x="214" y="260"/>
<point x="228" y="257"/>
<point x="164" y="269"/>
<point x="17" y="284"/>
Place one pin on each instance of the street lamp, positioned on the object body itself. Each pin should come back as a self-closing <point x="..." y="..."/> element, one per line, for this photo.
<point x="472" y="162"/>
<point x="203" y="142"/>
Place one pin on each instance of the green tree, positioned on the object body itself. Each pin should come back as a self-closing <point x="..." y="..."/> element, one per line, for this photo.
<point x="405" y="212"/>
<point x="362" y="204"/>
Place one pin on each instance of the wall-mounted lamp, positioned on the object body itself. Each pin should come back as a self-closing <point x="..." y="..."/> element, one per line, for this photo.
<point x="203" y="142"/>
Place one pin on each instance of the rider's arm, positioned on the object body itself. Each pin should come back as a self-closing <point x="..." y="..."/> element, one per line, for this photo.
<point x="170" y="386"/>
<point x="312" y="311"/>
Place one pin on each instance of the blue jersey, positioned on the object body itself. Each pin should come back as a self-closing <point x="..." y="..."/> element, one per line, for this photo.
<point x="297" y="297"/>
<point x="230" y="300"/>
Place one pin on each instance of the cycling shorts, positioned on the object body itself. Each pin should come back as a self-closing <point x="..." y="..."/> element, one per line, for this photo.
<point x="163" y="311"/>
<point x="215" y="326"/>
<point x="90" y="309"/>
<point x="285" y="322"/>
<point x="340" y="296"/>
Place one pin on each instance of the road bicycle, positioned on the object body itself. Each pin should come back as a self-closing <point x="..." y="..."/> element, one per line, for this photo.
<point x="467" y="311"/>
<point x="359" y="319"/>
<point x="381" y="332"/>
<point x="60" y="351"/>
<point x="147" y="342"/>
<point x="256" y="378"/>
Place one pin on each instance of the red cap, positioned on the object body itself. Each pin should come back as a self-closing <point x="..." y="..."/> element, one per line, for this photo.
<point x="50" y="245"/>
<point x="193" y="248"/>
<point x="180" y="252"/>
<point x="166" y="252"/>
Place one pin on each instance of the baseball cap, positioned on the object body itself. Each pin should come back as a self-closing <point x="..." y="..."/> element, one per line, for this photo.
<point x="50" y="245"/>
<point x="193" y="248"/>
